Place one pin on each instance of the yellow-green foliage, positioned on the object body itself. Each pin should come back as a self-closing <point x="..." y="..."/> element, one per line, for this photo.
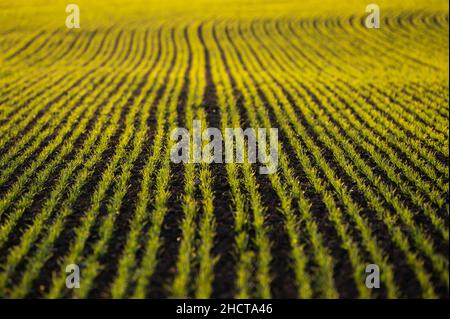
<point x="85" y="170"/>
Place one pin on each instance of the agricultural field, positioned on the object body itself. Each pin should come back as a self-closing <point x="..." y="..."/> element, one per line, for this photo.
<point x="86" y="175"/>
